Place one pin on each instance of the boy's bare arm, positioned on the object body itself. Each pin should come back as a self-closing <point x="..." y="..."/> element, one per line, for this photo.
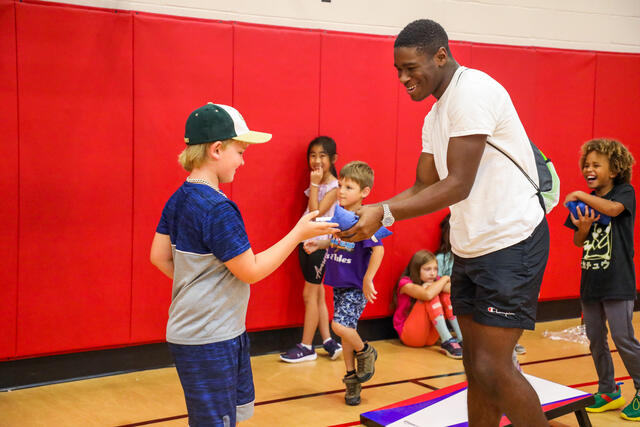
<point x="251" y="268"/>
<point x="377" y="253"/>
<point x="161" y="255"/>
<point x="579" y="236"/>
<point x="607" y="207"/>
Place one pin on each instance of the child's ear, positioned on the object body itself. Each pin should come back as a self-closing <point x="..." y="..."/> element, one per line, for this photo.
<point x="365" y="192"/>
<point x="215" y="149"/>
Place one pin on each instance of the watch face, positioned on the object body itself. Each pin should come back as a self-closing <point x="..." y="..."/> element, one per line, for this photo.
<point x="386" y="221"/>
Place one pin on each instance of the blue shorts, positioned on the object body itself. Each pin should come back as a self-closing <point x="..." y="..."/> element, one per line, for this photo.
<point x="501" y="288"/>
<point x="348" y="305"/>
<point x="217" y="381"/>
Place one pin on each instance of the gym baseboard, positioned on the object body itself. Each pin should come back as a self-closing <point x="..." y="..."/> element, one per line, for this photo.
<point x="16" y="374"/>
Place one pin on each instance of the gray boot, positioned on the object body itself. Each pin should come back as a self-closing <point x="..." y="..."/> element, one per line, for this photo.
<point x="366" y="363"/>
<point x="352" y="394"/>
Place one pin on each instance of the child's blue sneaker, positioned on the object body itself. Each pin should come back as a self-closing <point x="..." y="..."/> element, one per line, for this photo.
<point x="333" y="348"/>
<point x="451" y="348"/>
<point x="299" y="353"/>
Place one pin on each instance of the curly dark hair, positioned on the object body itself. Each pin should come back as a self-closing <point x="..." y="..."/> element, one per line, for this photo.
<point x="425" y="35"/>
<point x="620" y="159"/>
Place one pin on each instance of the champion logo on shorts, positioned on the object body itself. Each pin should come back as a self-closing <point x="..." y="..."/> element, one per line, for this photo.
<point x="494" y="310"/>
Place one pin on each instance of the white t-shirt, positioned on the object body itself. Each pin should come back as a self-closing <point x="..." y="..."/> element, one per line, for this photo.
<point x="502" y="208"/>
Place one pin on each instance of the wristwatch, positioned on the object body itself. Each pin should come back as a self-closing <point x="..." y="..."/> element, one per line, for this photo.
<point x="387" y="217"/>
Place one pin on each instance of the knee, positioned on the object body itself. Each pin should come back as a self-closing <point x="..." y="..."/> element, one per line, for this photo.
<point x="310" y="294"/>
<point x="338" y="329"/>
<point x="621" y="340"/>
<point x="485" y="371"/>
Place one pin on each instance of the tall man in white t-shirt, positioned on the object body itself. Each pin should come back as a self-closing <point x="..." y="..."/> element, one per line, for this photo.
<point x="499" y="234"/>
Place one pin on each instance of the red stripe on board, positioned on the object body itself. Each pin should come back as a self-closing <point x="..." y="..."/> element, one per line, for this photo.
<point x="354" y="423"/>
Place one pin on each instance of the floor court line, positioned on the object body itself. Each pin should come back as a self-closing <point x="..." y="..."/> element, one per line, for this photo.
<point x="412" y="380"/>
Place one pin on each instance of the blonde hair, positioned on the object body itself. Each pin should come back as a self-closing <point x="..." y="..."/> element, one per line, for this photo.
<point x="194" y="156"/>
<point x="359" y="172"/>
<point x="620" y="159"/>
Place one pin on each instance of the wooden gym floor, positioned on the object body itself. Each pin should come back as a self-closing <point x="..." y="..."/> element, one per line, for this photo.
<point x="304" y="394"/>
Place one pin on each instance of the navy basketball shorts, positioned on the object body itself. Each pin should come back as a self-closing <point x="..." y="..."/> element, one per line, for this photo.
<point x="311" y="265"/>
<point x="217" y="381"/>
<point x="501" y="288"/>
<point x="348" y="305"/>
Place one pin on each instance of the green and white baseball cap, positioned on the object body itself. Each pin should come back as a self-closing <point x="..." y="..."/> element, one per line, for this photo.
<point x="217" y="122"/>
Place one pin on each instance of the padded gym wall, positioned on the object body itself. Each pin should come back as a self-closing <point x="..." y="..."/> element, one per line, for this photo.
<point x="276" y="92"/>
<point x="8" y="179"/>
<point x="358" y="106"/>
<point x="75" y="133"/>
<point x="94" y="103"/>
<point x="172" y="74"/>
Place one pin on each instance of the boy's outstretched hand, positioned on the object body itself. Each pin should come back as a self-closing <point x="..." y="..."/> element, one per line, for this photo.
<point x="369" y="291"/>
<point x="307" y="228"/>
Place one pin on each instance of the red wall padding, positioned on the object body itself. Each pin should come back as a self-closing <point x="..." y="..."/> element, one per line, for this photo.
<point x="173" y="74"/>
<point x="358" y="96"/>
<point x="75" y="118"/>
<point x="276" y="93"/>
<point x="8" y="179"/>
<point x="616" y="109"/>
<point x="564" y="91"/>
<point x="94" y="122"/>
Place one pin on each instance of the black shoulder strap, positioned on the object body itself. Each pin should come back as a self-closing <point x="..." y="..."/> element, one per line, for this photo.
<point x="538" y="192"/>
<point x="517" y="165"/>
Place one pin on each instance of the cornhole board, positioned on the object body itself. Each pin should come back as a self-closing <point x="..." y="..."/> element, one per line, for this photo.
<point x="448" y="406"/>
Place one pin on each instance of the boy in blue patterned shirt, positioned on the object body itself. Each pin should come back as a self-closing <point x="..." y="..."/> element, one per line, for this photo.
<point x="201" y="244"/>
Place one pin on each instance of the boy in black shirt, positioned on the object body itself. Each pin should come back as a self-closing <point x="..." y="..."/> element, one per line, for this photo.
<point x="607" y="284"/>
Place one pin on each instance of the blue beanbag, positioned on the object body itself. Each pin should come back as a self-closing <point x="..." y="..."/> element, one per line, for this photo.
<point x="576" y="204"/>
<point x="347" y="219"/>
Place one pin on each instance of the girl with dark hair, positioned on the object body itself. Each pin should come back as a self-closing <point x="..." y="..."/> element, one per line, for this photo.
<point x="323" y="196"/>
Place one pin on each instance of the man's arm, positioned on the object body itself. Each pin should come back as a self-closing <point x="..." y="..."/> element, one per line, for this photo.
<point x="426" y="174"/>
<point x="463" y="158"/>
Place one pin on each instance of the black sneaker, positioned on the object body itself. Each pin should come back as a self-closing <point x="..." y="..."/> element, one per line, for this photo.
<point x="352" y="392"/>
<point x="333" y="348"/>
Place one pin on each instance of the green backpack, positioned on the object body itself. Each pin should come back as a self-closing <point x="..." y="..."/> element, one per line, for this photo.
<point x="548" y="186"/>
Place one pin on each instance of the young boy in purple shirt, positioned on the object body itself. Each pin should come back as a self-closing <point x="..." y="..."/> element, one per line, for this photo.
<point x="350" y="268"/>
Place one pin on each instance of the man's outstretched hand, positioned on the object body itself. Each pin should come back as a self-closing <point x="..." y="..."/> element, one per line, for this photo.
<point x="367" y="225"/>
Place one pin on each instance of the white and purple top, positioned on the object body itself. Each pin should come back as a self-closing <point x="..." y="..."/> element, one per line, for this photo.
<point x="347" y="262"/>
<point x="323" y="189"/>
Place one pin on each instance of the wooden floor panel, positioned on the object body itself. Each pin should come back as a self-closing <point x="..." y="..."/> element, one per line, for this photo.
<point x="305" y="394"/>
